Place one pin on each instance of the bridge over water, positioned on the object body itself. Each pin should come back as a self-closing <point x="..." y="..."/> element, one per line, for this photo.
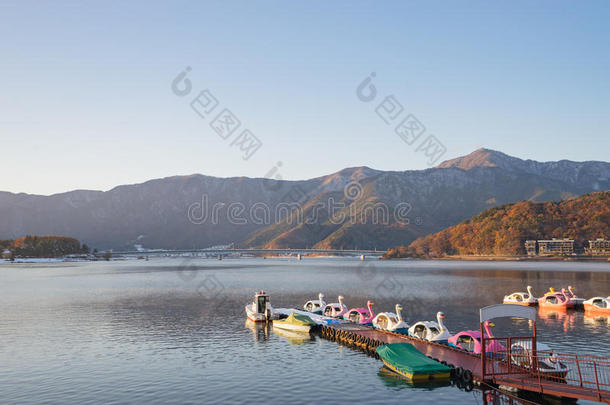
<point x="255" y="252"/>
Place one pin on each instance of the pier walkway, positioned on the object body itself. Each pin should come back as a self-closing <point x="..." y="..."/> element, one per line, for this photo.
<point x="589" y="377"/>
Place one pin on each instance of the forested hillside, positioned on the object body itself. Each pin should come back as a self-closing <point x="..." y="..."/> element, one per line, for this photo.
<point x="502" y="230"/>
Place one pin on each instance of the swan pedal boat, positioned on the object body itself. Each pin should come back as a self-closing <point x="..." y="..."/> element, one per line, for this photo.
<point x="392" y="322"/>
<point x="260" y="310"/>
<point x="522" y="298"/>
<point x="578" y="302"/>
<point x="335" y="309"/>
<point x="598" y="306"/>
<point x="549" y="364"/>
<point x="470" y="341"/>
<point x="405" y="360"/>
<point x="315" y="306"/>
<point x="295" y="323"/>
<point x="557" y="300"/>
<point x="362" y="316"/>
<point x="430" y="330"/>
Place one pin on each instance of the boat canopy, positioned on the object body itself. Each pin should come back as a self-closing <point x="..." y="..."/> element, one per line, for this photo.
<point x="507" y="310"/>
<point x="297" y="319"/>
<point x="405" y="357"/>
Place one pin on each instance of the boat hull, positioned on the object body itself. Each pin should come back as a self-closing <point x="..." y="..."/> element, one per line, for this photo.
<point x="595" y="310"/>
<point x="257" y="316"/>
<point x="559" y="307"/>
<point x="291" y="327"/>
<point x="525" y="304"/>
<point x="578" y="302"/>
<point x="554" y="375"/>
<point x="419" y="378"/>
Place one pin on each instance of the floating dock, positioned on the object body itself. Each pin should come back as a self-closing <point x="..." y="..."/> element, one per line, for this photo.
<point x="588" y="378"/>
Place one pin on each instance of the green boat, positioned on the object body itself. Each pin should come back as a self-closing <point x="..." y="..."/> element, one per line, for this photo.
<point x="405" y="360"/>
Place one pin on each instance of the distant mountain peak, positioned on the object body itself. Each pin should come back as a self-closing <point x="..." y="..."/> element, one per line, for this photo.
<point x="480" y="158"/>
<point x="591" y="172"/>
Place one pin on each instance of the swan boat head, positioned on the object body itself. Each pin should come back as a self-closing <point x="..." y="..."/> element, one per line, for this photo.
<point x="315" y="305"/>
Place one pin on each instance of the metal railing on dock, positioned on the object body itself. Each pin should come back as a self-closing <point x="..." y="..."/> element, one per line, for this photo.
<point x="578" y="376"/>
<point x="587" y="377"/>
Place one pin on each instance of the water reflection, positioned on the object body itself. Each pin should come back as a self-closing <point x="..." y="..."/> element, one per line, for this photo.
<point x="295" y="338"/>
<point x="260" y="330"/>
<point x="594" y="321"/>
<point x="487" y="395"/>
<point x="154" y="332"/>
<point x="393" y="380"/>
<point x="558" y="318"/>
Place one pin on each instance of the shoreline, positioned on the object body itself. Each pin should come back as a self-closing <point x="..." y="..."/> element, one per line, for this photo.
<point x="512" y="258"/>
<point x="597" y="259"/>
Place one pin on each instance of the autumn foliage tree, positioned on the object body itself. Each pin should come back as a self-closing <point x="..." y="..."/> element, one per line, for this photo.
<point x="46" y="246"/>
<point x="503" y="230"/>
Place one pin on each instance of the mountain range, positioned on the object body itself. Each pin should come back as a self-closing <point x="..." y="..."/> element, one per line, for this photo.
<point x="353" y="208"/>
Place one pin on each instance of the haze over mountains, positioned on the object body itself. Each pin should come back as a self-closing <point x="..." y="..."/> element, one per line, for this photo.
<point x="379" y="209"/>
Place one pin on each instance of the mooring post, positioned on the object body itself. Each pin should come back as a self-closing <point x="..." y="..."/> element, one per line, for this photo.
<point x="482" y="352"/>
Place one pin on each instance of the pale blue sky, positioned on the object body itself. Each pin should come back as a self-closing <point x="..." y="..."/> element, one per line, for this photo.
<point x="86" y="100"/>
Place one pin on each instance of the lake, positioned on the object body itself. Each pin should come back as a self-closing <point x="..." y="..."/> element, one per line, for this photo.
<point x="174" y="331"/>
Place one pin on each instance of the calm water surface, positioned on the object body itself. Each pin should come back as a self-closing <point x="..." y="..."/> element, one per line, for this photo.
<point x="174" y="330"/>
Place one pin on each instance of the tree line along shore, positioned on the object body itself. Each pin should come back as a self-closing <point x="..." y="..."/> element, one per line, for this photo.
<point x="32" y="246"/>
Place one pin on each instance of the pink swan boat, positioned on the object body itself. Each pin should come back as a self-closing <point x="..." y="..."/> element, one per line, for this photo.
<point x="556" y="300"/>
<point x="361" y="315"/>
<point x="470" y="340"/>
<point x="577" y="301"/>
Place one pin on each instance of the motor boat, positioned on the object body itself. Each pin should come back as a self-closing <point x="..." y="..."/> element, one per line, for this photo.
<point x="295" y="323"/>
<point x="335" y="309"/>
<point x="578" y="302"/>
<point x="361" y="315"/>
<point x="390" y="321"/>
<point x="522" y="298"/>
<point x="557" y="300"/>
<point x="549" y="364"/>
<point x="598" y="306"/>
<point x="470" y="340"/>
<point x="260" y="310"/>
<point x="315" y="306"/>
<point x="430" y="330"/>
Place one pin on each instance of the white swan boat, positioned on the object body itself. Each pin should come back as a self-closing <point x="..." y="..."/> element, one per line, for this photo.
<point x="335" y="309"/>
<point x="522" y="298"/>
<point x="548" y="362"/>
<point x="390" y="321"/>
<point x="315" y="306"/>
<point x="260" y="310"/>
<point x="430" y="330"/>
<point x="597" y="305"/>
